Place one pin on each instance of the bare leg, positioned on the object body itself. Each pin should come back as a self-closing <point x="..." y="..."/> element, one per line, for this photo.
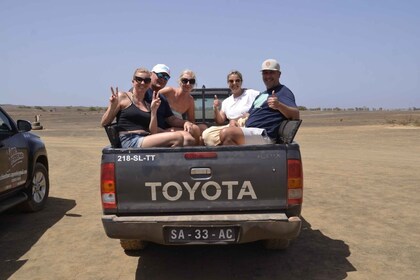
<point x="191" y="138"/>
<point x="202" y="127"/>
<point x="164" y="139"/>
<point x="196" y="133"/>
<point x="232" y="135"/>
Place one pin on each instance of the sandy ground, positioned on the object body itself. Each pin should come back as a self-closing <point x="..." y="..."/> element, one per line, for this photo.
<point x="362" y="173"/>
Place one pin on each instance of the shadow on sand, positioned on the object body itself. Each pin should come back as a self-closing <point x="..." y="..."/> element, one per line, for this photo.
<point x="312" y="256"/>
<point x="20" y="231"/>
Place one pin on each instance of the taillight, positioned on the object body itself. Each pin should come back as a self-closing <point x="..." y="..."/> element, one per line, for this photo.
<point x="294" y="181"/>
<point x="200" y="155"/>
<point x="108" y="186"/>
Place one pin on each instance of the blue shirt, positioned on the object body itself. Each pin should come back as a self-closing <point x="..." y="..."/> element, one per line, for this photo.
<point x="262" y="116"/>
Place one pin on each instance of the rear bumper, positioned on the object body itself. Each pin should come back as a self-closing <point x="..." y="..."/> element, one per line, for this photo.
<point x="252" y="227"/>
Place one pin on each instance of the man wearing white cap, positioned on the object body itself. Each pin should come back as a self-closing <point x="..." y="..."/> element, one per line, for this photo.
<point x="166" y="118"/>
<point x="270" y="107"/>
<point x="160" y="76"/>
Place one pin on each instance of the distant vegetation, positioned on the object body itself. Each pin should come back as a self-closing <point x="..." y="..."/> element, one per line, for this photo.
<point x="406" y="120"/>
<point x="409" y="120"/>
<point x="303" y="108"/>
<point x="29" y="107"/>
<point x="54" y="108"/>
<point x="95" y="109"/>
<point x="40" y="108"/>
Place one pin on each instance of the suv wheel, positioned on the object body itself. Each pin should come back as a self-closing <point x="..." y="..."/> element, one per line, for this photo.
<point x="38" y="190"/>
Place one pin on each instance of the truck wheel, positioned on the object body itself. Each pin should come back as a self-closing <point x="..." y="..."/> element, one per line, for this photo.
<point x="276" y="244"/>
<point x="38" y="189"/>
<point x="132" y="244"/>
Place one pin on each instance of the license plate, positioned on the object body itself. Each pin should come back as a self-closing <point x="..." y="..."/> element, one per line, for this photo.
<point x="205" y="234"/>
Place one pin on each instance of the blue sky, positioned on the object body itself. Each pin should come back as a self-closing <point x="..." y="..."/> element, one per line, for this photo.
<point x="332" y="53"/>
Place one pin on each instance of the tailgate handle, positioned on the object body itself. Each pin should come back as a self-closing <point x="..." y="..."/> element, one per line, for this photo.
<point x="200" y="172"/>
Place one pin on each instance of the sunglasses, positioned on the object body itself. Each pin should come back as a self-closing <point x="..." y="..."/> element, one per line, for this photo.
<point x="162" y="76"/>
<point x="186" y="81"/>
<point x="140" y="79"/>
<point x="236" y="81"/>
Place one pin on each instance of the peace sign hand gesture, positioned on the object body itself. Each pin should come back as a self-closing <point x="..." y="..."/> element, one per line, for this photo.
<point x="113" y="100"/>
<point x="155" y="102"/>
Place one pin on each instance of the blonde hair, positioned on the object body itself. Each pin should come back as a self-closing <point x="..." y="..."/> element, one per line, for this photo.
<point x="234" y="72"/>
<point x="141" y="70"/>
<point x="187" y="71"/>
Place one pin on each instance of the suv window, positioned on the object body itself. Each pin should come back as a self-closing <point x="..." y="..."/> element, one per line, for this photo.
<point x="5" y="125"/>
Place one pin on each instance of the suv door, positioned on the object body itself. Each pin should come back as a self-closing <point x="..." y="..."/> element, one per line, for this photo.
<point x="13" y="155"/>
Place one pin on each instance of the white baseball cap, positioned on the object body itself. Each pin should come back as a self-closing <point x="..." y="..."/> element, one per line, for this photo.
<point x="271" y="65"/>
<point x="161" y="68"/>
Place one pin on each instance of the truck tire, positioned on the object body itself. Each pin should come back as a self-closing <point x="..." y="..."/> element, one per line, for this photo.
<point x="38" y="189"/>
<point x="132" y="244"/>
<point x="276" y="244"/>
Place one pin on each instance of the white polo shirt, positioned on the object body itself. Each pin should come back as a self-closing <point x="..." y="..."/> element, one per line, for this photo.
<point x="234" y="108"/>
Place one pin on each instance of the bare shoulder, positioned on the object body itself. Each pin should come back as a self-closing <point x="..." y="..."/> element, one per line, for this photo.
<point x="167" y="91"/>
<point x="123" y="98"/>
<point x="122" y="94"/>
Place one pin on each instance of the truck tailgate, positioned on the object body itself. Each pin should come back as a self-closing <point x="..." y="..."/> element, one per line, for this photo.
<point x="180" y="180"/>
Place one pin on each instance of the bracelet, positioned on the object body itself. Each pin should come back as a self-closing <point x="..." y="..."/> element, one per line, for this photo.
<point x="215" y="108"/>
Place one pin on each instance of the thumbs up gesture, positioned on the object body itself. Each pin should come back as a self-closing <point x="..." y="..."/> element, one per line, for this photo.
<point x="273" y="101"/>
<point x="216" y="103"/>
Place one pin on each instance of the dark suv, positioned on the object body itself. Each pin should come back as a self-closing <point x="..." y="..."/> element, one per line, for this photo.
<point x="24" y="177"/>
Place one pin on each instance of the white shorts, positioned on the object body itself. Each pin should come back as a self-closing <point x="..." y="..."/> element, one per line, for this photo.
<point x="256" y="136"/>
